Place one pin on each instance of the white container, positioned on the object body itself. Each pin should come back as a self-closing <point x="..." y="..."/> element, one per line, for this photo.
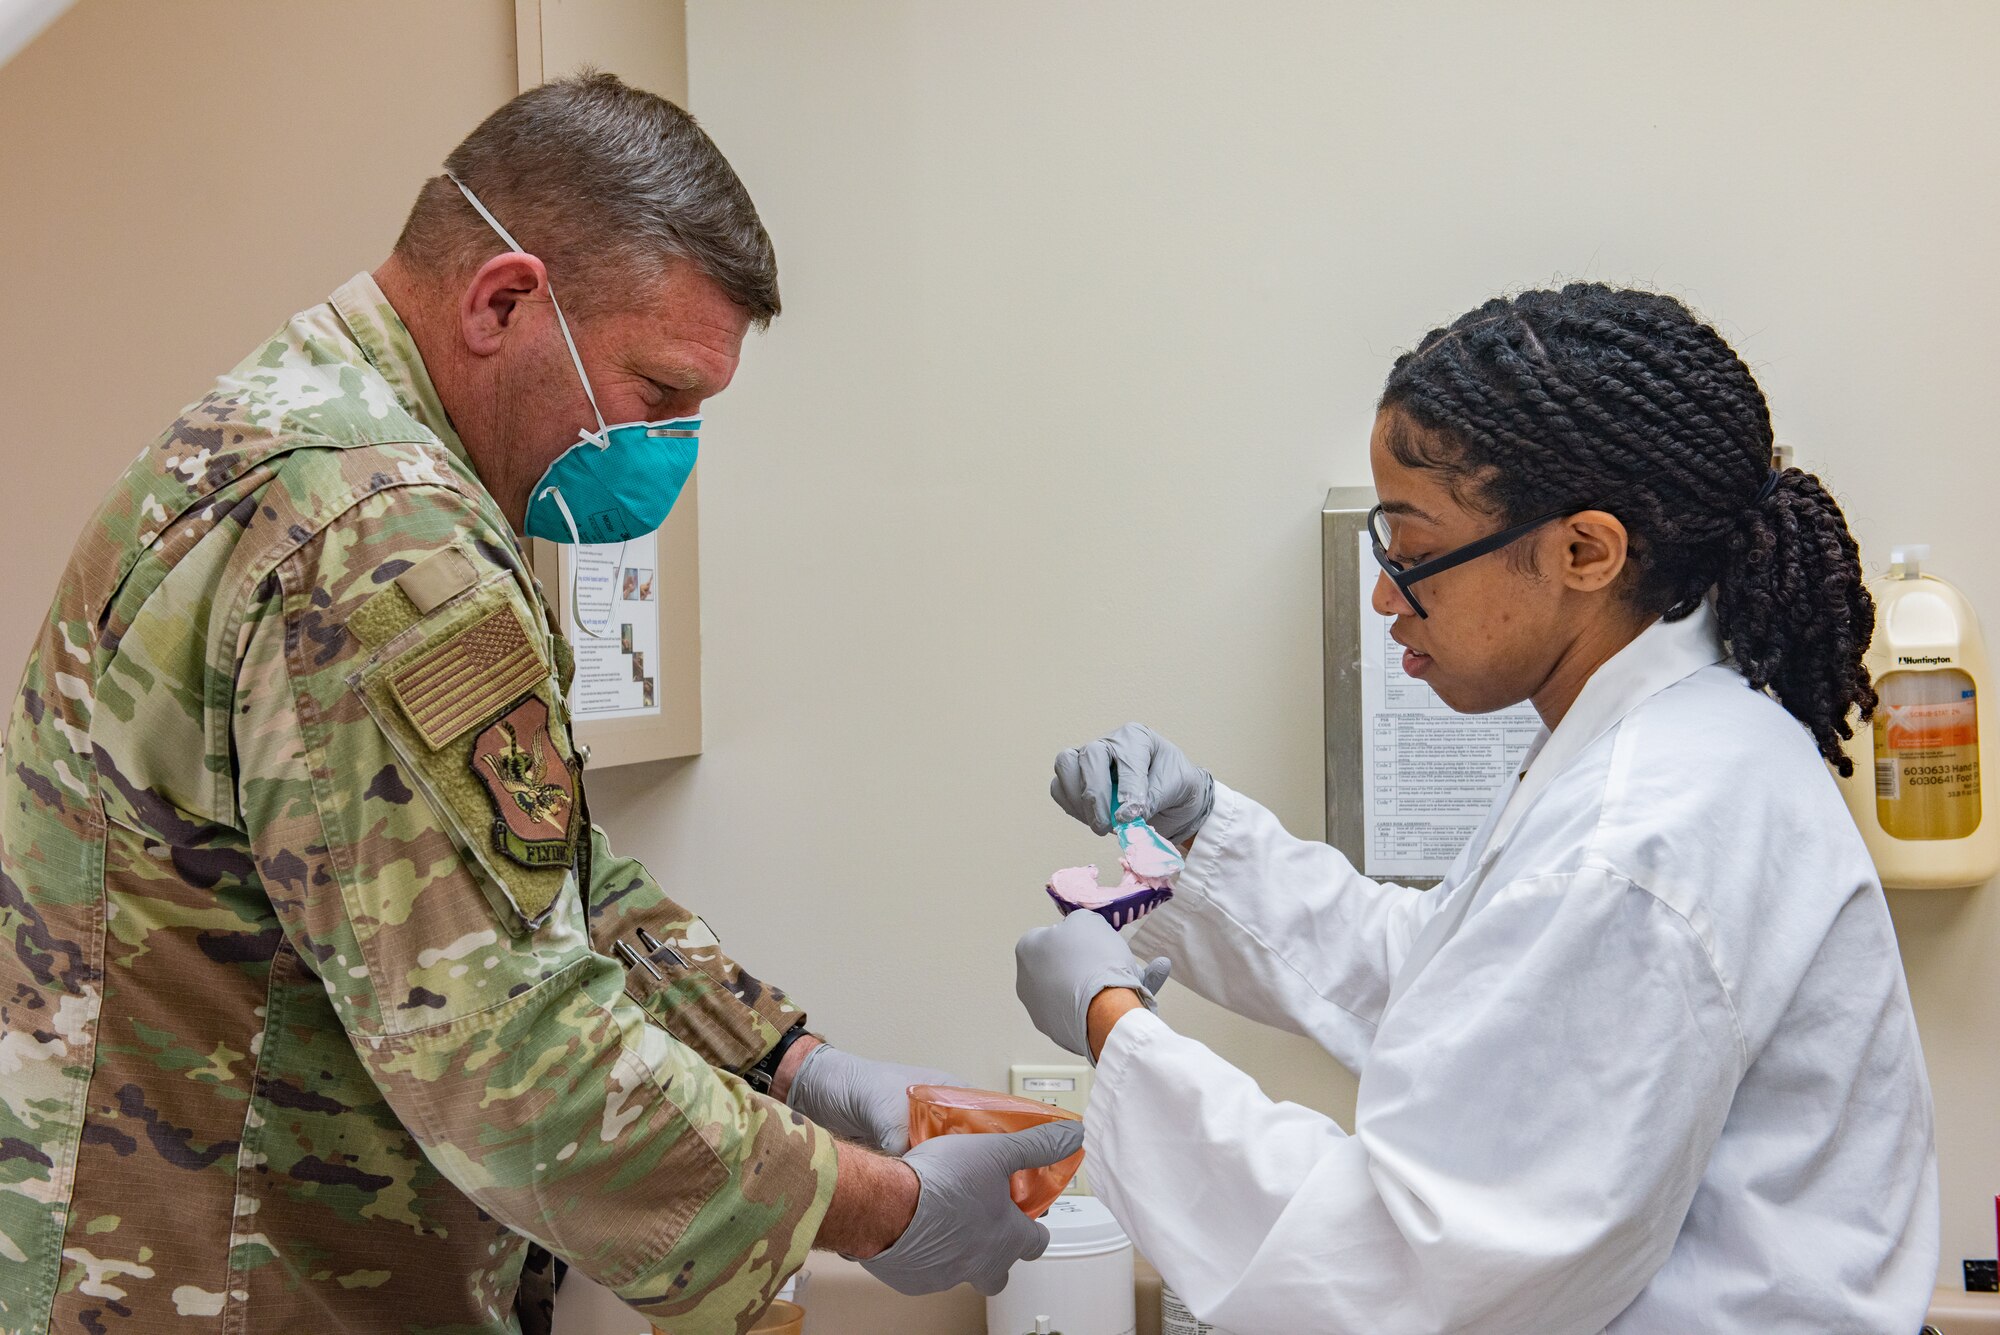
<point x="1082" y="1285"/>
<point x="1175" y="1319"/>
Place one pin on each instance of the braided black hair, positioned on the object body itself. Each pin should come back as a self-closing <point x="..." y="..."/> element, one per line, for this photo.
<point x="1601" y="397"/>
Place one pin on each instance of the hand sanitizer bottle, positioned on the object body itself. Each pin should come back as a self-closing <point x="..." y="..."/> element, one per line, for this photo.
<point x="1917" y="790"/>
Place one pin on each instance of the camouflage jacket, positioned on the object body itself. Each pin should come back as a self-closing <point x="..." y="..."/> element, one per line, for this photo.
<point x="307" y="1021"/>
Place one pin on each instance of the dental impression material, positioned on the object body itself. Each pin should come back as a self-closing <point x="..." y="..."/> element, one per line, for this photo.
<point x="1150" y="865"/>
<point x="938" y="1110"/>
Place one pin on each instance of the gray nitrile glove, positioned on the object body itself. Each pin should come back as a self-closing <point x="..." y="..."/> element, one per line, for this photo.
<point x="1058" y="970"/>
<point x="967" y="1228"/>
<point x="1156" y="784"/>
<point x="863" y="1100"/>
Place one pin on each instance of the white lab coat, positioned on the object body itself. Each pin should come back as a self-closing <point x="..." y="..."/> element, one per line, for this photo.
<point x="1644" y="1062"/>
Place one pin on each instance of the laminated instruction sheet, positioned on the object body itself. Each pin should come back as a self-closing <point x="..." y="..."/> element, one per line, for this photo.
<point x="1428" y="774"/>
<point x="613" y="624"/>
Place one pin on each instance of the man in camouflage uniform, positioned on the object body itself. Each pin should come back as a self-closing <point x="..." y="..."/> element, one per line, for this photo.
<point x="325" y="998"/>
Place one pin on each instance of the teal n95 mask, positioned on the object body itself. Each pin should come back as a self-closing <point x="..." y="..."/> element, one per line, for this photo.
<point x="617" y="482"/>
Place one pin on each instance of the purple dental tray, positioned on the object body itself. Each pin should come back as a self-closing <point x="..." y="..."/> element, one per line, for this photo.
<point x="1120" y="912"/>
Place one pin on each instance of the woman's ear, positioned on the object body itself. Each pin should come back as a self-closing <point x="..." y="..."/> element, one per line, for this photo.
<point x="1595" y="548"/>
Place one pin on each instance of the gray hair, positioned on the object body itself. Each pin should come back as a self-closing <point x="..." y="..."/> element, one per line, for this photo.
<point x="607" y="184"/>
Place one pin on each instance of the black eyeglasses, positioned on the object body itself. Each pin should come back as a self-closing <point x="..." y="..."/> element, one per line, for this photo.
<point x="1403" y="576"/>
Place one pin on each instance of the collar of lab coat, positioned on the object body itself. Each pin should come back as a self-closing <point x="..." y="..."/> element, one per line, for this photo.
<point x="1662" y="654"/>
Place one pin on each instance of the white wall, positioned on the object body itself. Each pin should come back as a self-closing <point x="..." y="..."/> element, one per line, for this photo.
<point x="1086" y="306"/>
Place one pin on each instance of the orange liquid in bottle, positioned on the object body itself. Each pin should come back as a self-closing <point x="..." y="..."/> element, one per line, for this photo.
<point x="940" y="1110"/>
<point x="1927" y="755"/>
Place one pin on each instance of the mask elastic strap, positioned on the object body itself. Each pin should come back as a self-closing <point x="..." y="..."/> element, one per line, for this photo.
<point x="575" y="594"/>
<point x="561" y="323"/>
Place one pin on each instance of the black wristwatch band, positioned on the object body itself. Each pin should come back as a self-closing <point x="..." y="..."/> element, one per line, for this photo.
<point x="760" y="1076"/>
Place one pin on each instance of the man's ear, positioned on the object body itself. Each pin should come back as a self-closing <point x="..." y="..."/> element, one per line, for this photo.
<point x="1595" y="550"/>
<point x="497" y="297"/>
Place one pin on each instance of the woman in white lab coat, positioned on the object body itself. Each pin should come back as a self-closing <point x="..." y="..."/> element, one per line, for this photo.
<point x="1645" y="1061"/>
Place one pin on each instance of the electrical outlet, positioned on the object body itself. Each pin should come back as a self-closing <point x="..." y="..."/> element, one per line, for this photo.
<point x="1066" y="1087"/>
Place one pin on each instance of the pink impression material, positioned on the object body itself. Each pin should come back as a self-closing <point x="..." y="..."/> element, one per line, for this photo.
<point x="1145" y="886"/>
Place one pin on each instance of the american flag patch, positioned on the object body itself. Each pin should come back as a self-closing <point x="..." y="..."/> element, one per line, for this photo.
<point x="469" y="678"/>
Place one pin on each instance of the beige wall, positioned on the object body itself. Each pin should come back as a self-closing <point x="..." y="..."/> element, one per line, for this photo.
<point x="1085" y="308"/>
<point x="179" y="178"/>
